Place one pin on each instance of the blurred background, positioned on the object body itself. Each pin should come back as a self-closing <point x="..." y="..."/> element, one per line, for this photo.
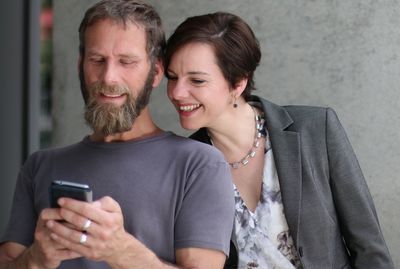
<point x="341" y="54"/>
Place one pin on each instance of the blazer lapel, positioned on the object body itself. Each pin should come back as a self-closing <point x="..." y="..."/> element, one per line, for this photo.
<point x="286" y="150"/>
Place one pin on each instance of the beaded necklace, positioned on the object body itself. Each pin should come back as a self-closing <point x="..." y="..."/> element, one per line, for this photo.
<point x="260" y="132"/>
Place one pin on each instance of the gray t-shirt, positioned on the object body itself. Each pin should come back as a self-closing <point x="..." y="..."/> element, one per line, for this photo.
<point x="174" y="192"/>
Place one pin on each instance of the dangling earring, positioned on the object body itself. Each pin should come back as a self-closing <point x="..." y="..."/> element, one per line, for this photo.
<point x="235" y="105"/>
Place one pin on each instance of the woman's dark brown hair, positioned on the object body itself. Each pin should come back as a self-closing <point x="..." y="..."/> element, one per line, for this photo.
<point x="235" y="46"/>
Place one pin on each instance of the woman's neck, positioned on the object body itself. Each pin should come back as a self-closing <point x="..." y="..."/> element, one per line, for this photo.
<point x="234" y="136"/>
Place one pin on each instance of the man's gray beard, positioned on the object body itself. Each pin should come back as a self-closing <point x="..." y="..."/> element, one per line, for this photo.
<point x="109" y="119"/>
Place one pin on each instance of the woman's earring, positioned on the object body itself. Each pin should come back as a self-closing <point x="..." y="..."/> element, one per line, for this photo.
<point x="235" y="105"/>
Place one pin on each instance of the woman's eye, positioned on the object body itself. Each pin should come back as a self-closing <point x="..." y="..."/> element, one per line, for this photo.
<point x="197" y="81"/>
<point x="172" y="78"/>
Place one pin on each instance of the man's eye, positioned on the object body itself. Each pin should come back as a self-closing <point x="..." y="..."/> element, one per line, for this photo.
<point x="97" y="60"/>
<point x="127" y="62"/>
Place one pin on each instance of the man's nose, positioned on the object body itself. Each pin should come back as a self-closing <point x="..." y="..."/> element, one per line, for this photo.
<point x="110" y="74"/>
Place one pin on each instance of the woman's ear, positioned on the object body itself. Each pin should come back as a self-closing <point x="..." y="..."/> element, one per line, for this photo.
<point x="240" y="87"/>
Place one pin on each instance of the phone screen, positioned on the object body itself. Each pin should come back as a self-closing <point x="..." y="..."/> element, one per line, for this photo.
<point x="69" y="189"/>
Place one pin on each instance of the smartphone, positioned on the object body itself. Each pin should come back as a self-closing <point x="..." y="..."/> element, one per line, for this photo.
<point x="62" y="188"/>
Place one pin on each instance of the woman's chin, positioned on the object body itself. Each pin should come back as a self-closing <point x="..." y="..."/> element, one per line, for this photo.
<point x="189" y="126"/>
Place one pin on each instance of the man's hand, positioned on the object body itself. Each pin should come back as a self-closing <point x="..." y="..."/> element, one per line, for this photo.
<point x="104" y="239"/>
<point x="44" y="253"/>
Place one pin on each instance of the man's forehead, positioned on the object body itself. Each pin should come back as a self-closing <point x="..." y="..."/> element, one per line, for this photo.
<point x="109" y="30"/>
<point x="119" y="23"/>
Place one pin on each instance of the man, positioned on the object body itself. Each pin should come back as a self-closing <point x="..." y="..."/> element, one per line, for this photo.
<point x="160" y="200"/>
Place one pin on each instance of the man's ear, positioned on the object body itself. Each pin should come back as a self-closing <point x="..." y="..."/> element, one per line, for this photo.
<point x="79" y="63"/>
<point x="158" y="73"/>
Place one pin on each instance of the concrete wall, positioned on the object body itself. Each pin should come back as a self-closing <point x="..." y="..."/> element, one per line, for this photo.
<point x="342" y="54"/>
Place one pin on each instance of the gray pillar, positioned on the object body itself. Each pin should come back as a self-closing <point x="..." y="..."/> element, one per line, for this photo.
<point x="11" y="75"/>
<point x="19" y="105"/>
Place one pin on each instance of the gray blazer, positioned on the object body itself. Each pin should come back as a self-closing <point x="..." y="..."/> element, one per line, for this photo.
<point x="327" y="204"/>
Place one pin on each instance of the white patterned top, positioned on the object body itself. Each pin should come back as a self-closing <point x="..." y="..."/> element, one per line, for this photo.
<point x="262" y="238"/>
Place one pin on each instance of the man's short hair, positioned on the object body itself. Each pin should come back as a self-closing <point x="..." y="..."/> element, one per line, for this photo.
<point x="123" y="12"/>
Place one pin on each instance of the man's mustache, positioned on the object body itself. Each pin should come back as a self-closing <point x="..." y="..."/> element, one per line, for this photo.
<point x="102" y="88"/>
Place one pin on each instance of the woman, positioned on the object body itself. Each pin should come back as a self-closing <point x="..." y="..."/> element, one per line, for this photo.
<point x="301" y="199"/>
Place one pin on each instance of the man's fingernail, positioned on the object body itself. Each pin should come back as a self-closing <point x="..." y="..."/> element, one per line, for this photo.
<point x="61" y="201"/>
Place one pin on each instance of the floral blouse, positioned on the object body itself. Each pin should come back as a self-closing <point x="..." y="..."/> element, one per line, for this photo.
<point x="262" y="238"/>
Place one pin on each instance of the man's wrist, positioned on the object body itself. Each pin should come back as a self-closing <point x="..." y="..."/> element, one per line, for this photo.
<point x="24" y="261"/>
<point x="29" y="258"/>
<point x="134" y="254"/>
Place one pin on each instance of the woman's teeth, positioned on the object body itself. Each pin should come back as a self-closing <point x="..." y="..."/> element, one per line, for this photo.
<point x="189" y="108"/>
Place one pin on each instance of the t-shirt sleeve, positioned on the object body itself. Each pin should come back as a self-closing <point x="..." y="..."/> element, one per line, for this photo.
<point x="23" y="216"/>
<point x="205" y="219"/>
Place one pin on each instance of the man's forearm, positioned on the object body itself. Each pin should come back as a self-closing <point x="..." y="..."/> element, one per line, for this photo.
<point x="23" y="261"/>
<point x="136" y="255"/>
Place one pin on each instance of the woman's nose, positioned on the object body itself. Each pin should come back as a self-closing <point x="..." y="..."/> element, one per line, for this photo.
<point x="177" y="90"/>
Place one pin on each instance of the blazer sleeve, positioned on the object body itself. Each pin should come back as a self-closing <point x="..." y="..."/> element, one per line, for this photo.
<point x="354" y="205"/>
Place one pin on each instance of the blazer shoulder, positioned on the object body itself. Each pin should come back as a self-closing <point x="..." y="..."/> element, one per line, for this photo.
<point x="305" y="111"/>
<point x="310" y="117"/>
<point x="300" y="112"/>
